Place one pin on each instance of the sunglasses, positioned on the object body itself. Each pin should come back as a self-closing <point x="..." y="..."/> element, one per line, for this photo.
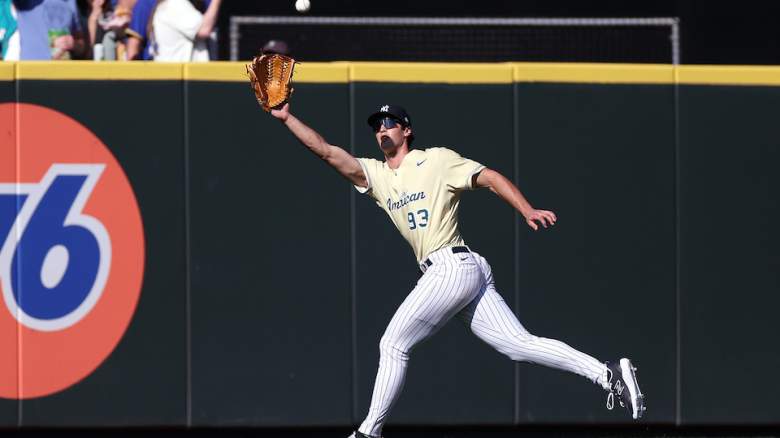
<point x="388" y="123"/>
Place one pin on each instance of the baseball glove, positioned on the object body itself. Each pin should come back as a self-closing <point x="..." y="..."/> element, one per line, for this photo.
<point x="271" y="79"/>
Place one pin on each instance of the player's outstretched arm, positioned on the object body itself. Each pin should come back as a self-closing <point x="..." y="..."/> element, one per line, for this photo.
<point x="509" y="192"/>
<point x="337" y="157"/>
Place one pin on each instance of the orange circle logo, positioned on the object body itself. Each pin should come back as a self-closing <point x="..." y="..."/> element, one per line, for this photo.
<point x="71" y="251"/>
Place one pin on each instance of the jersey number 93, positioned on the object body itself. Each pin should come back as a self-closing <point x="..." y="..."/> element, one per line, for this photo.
<point x="420" y="220"/>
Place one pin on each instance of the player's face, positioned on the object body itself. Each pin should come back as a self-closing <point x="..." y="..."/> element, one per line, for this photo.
<point x="390" y="133"/>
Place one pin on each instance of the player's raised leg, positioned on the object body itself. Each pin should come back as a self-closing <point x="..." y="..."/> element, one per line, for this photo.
<point x="491" y="319"/>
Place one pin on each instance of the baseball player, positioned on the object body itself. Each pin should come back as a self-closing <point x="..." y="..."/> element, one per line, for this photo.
<point x="420" y="190"/>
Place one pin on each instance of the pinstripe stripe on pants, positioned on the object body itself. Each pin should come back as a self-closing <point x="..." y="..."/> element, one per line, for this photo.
<point x="461" y="284"/>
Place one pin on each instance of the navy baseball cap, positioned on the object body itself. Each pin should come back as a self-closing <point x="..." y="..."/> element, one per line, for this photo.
<point x="394" y="111"/>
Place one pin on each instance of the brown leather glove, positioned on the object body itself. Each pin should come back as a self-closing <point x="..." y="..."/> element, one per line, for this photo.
<point x="271" y="79"/>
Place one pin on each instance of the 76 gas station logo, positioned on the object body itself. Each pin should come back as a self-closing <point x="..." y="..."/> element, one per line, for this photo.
<point x="54" y="259"/>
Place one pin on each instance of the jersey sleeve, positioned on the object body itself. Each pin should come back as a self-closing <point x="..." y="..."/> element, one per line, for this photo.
<point x="458" y="171"/>
<point x="371" y="170"/>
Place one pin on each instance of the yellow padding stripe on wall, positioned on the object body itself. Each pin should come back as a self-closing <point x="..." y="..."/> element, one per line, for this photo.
<point x="429" y="72"/>
<point x="594" y="73"/>
<point x="88" y="70"/>
<point x="728" y="75"/>
<point x="397" y="72"/>
<point x="316" y="72"/>
<point x="6" y="71"/>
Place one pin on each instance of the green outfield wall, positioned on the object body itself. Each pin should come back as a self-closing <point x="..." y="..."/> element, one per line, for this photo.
<point x="268" y="281"/>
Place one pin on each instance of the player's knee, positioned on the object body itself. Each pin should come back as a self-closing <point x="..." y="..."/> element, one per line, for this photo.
<point x="392" y="348"/>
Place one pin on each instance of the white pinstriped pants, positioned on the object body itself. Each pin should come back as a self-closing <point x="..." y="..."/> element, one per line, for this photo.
<point x="461" y="284"/>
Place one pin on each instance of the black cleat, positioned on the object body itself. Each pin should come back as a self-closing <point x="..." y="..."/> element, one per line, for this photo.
<point x="623" y="385"/>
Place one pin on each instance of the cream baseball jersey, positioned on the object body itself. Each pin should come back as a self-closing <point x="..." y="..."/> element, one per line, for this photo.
<point x="422" y="196"/>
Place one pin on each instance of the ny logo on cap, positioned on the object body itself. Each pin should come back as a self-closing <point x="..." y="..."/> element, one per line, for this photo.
<point x="384" y="109"/>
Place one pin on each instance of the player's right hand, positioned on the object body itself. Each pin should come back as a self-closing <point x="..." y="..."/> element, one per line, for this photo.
<point x="282" y="114"/>
<point x="544" y="217"/>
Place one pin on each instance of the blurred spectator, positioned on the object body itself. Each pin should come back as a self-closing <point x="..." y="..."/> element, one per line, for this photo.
<point x="106" y="30"/>
<point x="99" y="14"/>
<point x="9" y="35"/>
<point x="276" y="46"/>
<point x="211" y="41"/>
<point x="122" y="14"/>
<point x="137" y="35"/>
<point x="179" y="32"/>
<point x="49" y="29"/>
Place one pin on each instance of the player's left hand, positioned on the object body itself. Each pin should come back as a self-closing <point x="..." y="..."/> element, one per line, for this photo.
<point x="282" y="114"/>
<point x="544" y="217"/>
